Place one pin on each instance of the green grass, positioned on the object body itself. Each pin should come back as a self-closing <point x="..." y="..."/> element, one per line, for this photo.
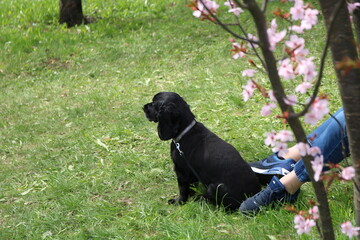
<point x="78" y="159"/>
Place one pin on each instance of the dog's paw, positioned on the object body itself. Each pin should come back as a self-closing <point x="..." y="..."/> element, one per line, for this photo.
<point x="176" y="201"/>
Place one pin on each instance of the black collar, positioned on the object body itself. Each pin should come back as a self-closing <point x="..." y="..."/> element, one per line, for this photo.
<point x="186" y="130"/>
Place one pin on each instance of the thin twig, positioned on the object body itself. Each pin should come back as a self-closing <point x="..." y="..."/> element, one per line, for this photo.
<point x="224" y="26"/>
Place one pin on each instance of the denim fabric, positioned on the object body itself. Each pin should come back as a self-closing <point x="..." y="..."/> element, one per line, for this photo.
<point x="329" y="137"/>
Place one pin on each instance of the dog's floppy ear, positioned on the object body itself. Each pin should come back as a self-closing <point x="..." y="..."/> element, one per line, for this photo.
<point x="169" y="121"/>
<point x="150" y="112"/>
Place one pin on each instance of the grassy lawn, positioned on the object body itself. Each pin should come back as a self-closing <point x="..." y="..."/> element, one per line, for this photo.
<point x="78" y="159"/>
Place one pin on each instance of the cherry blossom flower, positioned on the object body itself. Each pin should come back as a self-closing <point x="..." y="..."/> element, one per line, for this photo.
<point x="295" y="42"/>
<point x="290" y="100"/>
<point x="201" y="9"/>
<point x="303" y="225"/>
<point x="281" y="148"/>
<point x="303" y="87"/>
<point x="310" y="18"/>
<point x="270" y="138"/>
<point x="253" y="38"/>
<point x="352" y="6"/>
<point x="236" y="11"/>
<point x="314" y="211"/>
<point x="317" y="165"/>
<point x="266" y="110"/>
<point x="303" y="148"/>
<point x="248" y="90"/>
<point x="296" y="28"/>
<point x="233" y="8"/>
<point x="248" y="72"/>
<point x="311" y="118"/>
<point x="229" y="3"/>
<point x="238" y="50"/>
<point x="348" y="173"/>
<point x="349" y="230"/>
<point x="314" y="151"/>
<point x="306" y="67"/>
<point x="274" y="36"/>
<point x="297" y="12"/>
<point x="286" y="69"/>
<point x="317" y="111"/>
<point x="272" y="96"/>
<point x="285" y="136"/>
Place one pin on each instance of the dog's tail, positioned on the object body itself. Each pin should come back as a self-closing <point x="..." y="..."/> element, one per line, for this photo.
<point x="217" y="193"/>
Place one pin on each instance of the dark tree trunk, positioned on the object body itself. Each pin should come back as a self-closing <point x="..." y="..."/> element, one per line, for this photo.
<point x="71" y="12"/>
<point x="327" y="231"/>
<point x="344" y="46"/>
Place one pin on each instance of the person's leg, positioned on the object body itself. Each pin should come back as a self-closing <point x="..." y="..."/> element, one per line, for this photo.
<point x="330" y="137"/>
<point x="291" y="182"/>
<point x="332" y="140"/>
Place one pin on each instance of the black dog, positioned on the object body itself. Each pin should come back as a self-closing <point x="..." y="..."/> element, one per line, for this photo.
<point x="201" y="156"/>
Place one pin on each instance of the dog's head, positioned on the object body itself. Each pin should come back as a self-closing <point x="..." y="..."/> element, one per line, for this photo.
<point x="171" y="113"/>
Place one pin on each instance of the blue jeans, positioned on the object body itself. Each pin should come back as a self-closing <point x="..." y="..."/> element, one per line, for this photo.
<point x="330" y="138"/>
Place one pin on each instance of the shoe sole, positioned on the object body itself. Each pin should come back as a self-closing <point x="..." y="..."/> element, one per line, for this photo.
<point x="283" y="171"/>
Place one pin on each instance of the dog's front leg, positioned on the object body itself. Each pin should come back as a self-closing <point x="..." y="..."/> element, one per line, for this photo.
<point x="184" y="181"/>
<point x="184" y="195"/>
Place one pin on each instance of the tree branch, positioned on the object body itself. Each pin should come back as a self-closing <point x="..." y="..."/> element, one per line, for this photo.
<point x="224" y="26"/>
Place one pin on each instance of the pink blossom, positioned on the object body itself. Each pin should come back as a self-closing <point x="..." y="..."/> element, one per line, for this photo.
<point x="236" y="11"/>
<point x="317" y="165"/>
<point x="303" y="225"/>
<point x="211" y="5"/>
<point x="306" y="68"/>
<point x="314" y="211"/>
<point x="317" y="111"/>
<point x="233" y="8"/>
<point x="286" y="69"/>
<point x="248" y="90"/>
<point x="349" y="230"/>
<point x="314" y="151"/>
<point x="295" y="42"/>
<point x="270" y="138"/>
<point x="238" y="51"/>
<point x="229" y="3"/>
<point x="281" y="148"/>
<point x="296" y="28"/>
<point x="285" y="136"/>
<point x="272" y="96"/>
<point x="297" y="12"/>
<point x="310" y="18"/>
<point x="348" y="173"/>
<point x="321" y="106"/>
<point x="303" y="148"/>
<point x="253" y="38"/>
<point x="197" y="13"/>
<point x="266" y="110"/>
<point x="352" y="6"/>
<point x="290" y="100"/>
<point x="311" y="118"/>
<point x="274" y="36"/>
<point x="248" y="72"/>
<point x="303" y="87"/>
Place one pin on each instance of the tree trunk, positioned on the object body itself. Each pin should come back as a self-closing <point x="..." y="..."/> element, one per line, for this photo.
<point x="71" y="12"/>
<point x="326" y="227"/>
<point x="343" y="45"/>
